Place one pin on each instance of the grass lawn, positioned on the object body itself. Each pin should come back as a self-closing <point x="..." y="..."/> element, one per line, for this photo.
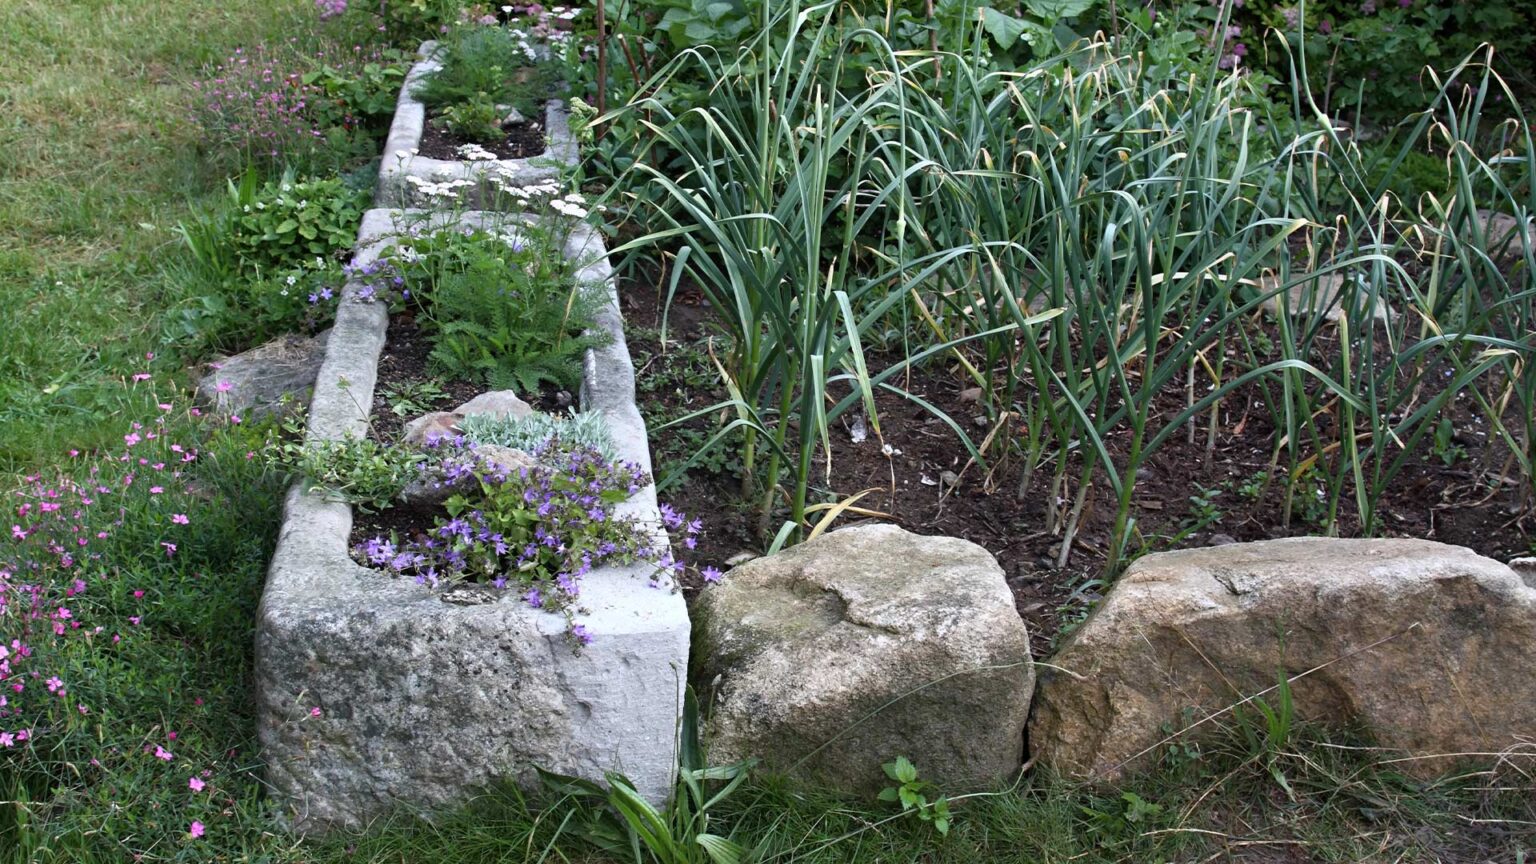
<point x="146" y="747"/>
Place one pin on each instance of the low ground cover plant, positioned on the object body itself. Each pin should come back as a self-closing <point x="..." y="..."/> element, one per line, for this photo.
<point x="537" y="529"/>
<point x="585" y="430"/>
<point x="127" y="584"/>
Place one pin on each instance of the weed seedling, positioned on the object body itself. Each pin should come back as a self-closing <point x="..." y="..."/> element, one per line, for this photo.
<point x="912" y="793"/>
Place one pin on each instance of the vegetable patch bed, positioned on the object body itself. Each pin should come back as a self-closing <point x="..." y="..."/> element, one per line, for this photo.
<point x="1186" y="495"/>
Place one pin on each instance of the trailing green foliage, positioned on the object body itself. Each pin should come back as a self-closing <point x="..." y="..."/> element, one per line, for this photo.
<point x="360" y="471"/>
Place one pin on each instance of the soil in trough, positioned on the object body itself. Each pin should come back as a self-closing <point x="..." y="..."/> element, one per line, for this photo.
<point x="523" y="140"/>
<point x="1427" y="499"/>
<point x="404" y="366"/>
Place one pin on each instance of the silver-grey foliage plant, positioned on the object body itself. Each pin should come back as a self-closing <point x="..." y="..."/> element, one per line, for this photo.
<point x="583" y="429"/>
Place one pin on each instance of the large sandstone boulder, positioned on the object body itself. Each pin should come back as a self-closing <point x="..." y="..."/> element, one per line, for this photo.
<point x="862" y="645"/>
<point x="1431" y="647"/>
<point x="499" y="404"/>
<point x="266" y="379"/>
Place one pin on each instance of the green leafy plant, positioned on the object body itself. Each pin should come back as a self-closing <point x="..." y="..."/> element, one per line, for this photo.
<point x="264" y="262"/>
<point x="912" y="794"/>
<point x="358" y="471"/>
<point x="502" y="308"/>
<point x="1035" y="24"/>
<point x="586" y="429"/>
<point x="1252" y="488"/>
<point x="1205" y="509"/>
<point x="621" y="824"/>
<point x="477" y="119"/>
<point x="361" y="91"/>
<point x="1128" y="812"/>
<point x="489" y="66"/>
<point x="1445" y="447"/>
<point x="288" y="222"/>
<point x="410" y="398"/>
<point x="690" y="23"/>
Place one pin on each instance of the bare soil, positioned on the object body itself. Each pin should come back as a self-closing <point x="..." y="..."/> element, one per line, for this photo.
<point x="523" y="140"/>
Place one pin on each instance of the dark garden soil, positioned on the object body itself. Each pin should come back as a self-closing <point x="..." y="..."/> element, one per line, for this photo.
<point x="523" y="140"/>
<point x="927" y="486"/>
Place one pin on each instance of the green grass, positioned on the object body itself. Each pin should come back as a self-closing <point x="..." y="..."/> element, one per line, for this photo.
<point x="97" y="165"/>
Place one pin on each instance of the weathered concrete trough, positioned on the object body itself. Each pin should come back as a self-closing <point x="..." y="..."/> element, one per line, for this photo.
<point x="374" y="693"/>
<point x="401" y="161"/>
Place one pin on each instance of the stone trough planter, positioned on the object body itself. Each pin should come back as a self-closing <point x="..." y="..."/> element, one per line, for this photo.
<point x="401" y="162"/>
<point x="375" y="693"/>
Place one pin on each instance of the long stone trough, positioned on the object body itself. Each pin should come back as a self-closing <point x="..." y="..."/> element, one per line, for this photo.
<point x="375" y="693"/>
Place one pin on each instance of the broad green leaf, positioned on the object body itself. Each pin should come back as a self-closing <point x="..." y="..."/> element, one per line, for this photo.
<point x="721" y="850"/>
<point x="1054" y="10"/>
<point x="1004" y="29"/>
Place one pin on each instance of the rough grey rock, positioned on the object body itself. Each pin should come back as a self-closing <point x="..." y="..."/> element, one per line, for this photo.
<point x="1431" y="647"/>
<point x="435" y="487"/>
<point x="1525" y="568"/>
<point x="1308" y="296"/>
<point x="497" y="403"/>
<point x="429" y="427"/>
<point x="868" y="643"/>
<point x="1506" y="236"/>
<point x="266" y="379"/>
<point x="426" y="699"/>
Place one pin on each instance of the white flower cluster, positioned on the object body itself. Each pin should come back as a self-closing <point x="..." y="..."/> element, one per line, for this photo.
<point x="524" y="194"/>
<point x="525" y="45"/>
<point x="445" y="189"/>
<point x="475" y="153"/>
<point x="570" y="205"/>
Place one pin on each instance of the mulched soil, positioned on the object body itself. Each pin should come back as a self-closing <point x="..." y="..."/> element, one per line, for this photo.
<point x="523" y="140"/>
<point x="1427" y="499"/>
